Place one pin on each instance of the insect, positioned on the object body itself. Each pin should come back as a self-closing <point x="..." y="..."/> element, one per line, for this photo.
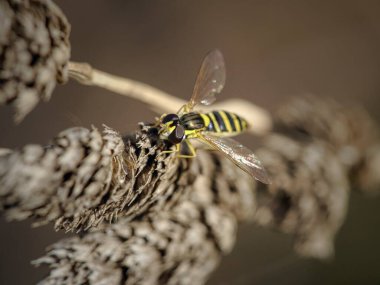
<point x="213" y="128"/>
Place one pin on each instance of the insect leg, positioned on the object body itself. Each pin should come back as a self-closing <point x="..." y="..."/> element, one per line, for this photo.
<point x="190" y="148"/>
<point x="171" y="151"/>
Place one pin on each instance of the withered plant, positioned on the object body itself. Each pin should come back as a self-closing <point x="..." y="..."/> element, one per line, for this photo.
<point x="143" y="217"/>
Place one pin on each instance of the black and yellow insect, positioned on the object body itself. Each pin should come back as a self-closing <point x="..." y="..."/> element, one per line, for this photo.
<point x="213" y="128"/>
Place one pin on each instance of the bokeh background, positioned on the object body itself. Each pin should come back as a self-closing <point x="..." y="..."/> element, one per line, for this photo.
<point x="274" y="50"/>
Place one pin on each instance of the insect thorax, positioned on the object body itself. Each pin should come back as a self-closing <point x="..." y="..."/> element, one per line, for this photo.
<point x="193" y="121"/>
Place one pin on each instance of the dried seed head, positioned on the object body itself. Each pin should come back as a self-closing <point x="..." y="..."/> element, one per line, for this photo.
<point x="350" y="132"/>
<point x="178" y="217"/>
<point x="34" y="52"/>
<point x="309" y="193"/>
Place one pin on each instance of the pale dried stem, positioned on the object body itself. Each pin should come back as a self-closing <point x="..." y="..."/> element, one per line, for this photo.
<point x="161" y="102"/>
<point x="4" y="151"/>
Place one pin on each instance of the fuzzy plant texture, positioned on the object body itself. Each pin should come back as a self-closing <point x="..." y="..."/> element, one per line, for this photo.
<point x="174" y="219"/>
<point x="34" y="52"/>
<point x="147" y="217"/>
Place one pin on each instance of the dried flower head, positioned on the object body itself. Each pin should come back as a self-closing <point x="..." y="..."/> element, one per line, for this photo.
<point x="34" y="52"/>
<point x="174" y="219"/>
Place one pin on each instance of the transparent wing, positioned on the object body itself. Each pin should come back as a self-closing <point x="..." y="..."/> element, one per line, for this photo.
<point x="240" y="155"/>
<point x="210" y="81"/>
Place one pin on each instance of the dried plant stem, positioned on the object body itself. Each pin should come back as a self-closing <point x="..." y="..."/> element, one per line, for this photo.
<point x="4" y="151"/>
<point x="161" y="102"/>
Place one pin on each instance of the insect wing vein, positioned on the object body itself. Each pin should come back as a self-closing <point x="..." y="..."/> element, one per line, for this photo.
<point x="210" y="80"/>
<point x="239" y="154"/>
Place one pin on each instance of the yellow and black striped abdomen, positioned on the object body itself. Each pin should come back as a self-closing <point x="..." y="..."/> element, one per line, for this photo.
<point x="224" y="123"/>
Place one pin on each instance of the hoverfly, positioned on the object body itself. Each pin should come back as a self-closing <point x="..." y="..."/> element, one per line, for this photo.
<point x="213" y="128"/>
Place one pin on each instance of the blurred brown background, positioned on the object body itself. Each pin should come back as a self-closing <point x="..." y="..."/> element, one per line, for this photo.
<point x="273" y="50"/>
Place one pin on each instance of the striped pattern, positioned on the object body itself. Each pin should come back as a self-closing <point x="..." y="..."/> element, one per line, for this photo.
<point x="192" y="121"/>
<point x="220" y="123"/>
<point x="225" y="123"/>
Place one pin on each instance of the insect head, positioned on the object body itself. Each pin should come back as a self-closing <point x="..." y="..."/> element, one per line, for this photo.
<point x="171" y="129"/>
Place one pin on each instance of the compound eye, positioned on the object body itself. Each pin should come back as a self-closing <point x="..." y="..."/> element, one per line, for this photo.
<point x="171" y="118"/>
<point x="176" y="136"/>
